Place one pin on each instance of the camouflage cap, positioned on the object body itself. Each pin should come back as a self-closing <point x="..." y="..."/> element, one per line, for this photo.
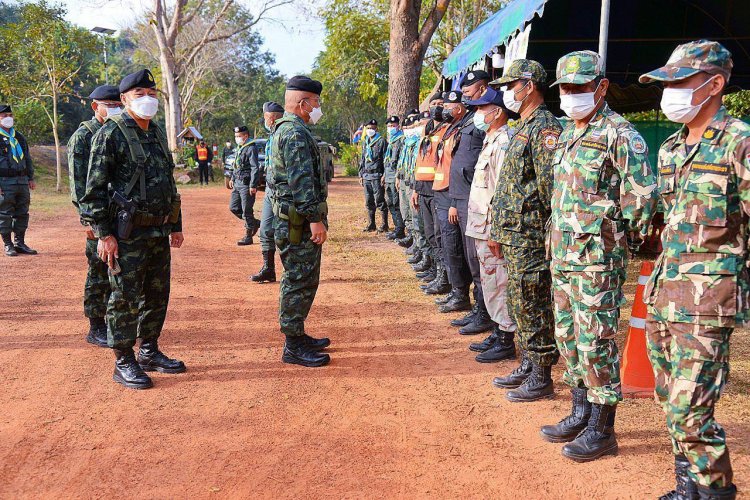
<point x="522" y="69"/>
<point x="691" y="58"/>
<point x="578" y="67"/>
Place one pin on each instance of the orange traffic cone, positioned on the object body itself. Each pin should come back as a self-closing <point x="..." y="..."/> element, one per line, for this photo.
<point x="636" y="373"/>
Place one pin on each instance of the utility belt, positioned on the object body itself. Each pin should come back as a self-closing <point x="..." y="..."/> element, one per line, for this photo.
<point x="145" y="219"/>
<point x="9" y="172"/>
<point x="288" y="212"/>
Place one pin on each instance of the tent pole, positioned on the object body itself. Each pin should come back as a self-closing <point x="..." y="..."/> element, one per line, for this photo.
<point x="604" y="34"/>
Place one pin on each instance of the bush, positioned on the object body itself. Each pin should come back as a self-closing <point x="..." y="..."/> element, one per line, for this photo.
<point x="349" y="157"/>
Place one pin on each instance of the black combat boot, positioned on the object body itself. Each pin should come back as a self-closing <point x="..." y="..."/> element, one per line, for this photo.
<point x="597" y="439"/>
<point x="569" y="427"/>
<point x="370" y="227"/>
<point x="398" y="234"/>
<point x="415" y="258"/>
<point x="459" y="302"/>
<point x="267" y="273"/>
<point x="517" y="376"/>
<point x="468" y="318"/>
<point x="445" y="299"/>
<point x="406" y="242"/>
<point x="10" y="250"/>
<point x="247" y="240"/>
<point x="384" y="217"/>
<point x="480" y="323"/>
<point x="316" y="344"/>
<point x="440" y="285"/>
<point x="423" y="265"/>
<point x="685" y="488"/>
<point x="21" y="246"/>
<point x="152" y="359"/>
<point x="502" y="349"/>
<point x="487" y="342"/>
<point x="538" y="385"/>
<point x="128" y="372"/>
<point x="97" y="332"/>
<point x="297" y="351"/>
<point x="728" y="493"/>
<point x="430" y="274"/>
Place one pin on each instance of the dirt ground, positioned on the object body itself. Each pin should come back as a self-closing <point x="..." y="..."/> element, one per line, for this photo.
<point x="403" y="411"/>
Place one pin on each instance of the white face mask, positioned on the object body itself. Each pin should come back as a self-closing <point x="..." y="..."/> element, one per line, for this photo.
<point x="239" y="140"/>
<point x="110" y="112"/>
<point x="677" y="104"/>
<point x="509" y="99"/>
<point x="479" y="121"/>
<point x="370" y="132"/>
<point x="315" y="115"/>
<point x="579" y="106"/>
<point x="7" y="122"/>
<point x="145" y="106"/>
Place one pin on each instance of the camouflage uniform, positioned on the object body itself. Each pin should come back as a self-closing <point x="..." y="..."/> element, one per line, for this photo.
<point x="246" y="176"/>
<point x="392" y="153"/>
<point x="700" y="287"/>
<point x="299" y="181"/>
<point x="603" y="200"/>
<point x="140" y="293"/>
<point x="96" y="290"/>
<point x="407" y="161"/>
<point x="371" y="171"/>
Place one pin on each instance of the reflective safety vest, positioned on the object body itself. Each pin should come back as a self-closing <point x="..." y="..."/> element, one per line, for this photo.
<point x="444" y="160"/>
<point x="427" y="158"/>
<point x="202" y="153"/>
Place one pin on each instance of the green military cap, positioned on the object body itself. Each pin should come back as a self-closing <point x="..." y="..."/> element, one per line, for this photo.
<point x="578" y="67"/>
<point x="522" y="69"/>
<point x="691" y="58"/>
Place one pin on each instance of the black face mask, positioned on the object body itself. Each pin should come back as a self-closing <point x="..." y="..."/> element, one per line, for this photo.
<point x="437" y="113"/>
<point x="447" y="115"/>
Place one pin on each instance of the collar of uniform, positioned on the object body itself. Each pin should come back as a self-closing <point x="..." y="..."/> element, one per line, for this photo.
<point x="600" y="115"/>
<point x="493" y="137"/>
<point x="715" y="130"/>
<point x="534" y="114"/>
<point x="130" y="122"/>
<point x="290" y="117"/>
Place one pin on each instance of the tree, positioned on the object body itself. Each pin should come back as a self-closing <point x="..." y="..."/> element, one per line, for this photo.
<point x="50" y="54"/>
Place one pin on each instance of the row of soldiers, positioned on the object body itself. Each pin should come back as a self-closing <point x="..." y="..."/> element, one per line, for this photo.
<point x="542" y="219"/>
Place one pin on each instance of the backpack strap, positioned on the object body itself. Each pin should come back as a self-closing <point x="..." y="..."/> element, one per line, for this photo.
<point x="89" y="127"/>
<point x="137" y="155"/>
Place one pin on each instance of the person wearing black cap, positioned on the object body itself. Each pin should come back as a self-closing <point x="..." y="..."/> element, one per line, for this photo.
<point x="132" y="169"/>
<point x="244" y="183"/>
<point x="272" y="112"/>
<point x="203" y="156"/>
<point x="474" y="84"/>
<point x="105" y="101"/>
<point x="395" y="144"/>
<point x="371" y="176"/>
<point x="16" y="179"/>
<point x="300" y="218"/>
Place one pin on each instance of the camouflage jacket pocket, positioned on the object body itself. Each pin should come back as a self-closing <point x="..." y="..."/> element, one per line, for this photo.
<point x="706" y="285"/>
<point x="576" y="238"/>
<point x="587" y="171"/>
<point x="704" y="199"/>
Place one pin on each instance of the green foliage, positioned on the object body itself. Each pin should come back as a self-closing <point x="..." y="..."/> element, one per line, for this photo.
<point x="644" y="116"/>
<point x="738" y="103"/>
<point x="349" y="158"/>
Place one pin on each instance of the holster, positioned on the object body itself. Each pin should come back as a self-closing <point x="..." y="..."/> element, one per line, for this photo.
<point x="125" y="222"/>
<point x="296" y="224"/>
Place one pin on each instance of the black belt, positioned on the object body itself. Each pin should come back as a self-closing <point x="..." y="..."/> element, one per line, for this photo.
<point x="7" y="172"/>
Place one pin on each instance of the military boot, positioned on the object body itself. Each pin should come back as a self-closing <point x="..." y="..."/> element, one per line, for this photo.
<point x="415" y="258"/>
<point x="316" y="344"/>
<point x="370" y="227"/>
<point x="267" y="273"/>
<point x="569" y="427"/>
<point x="502" y="349"/>
<point x="597" y="439"/>
<point x="398" y="234"/>
<point x="468" y="317"/>
<point x="423" y="265"/>
<point x="486" y="343"/>
<point x="384" y="217"/>
<point x="97" y="332"/>
<point x="21" y="246"/>
<point x="480" y="323"/>
<point x="459" y="302"/>
<point x="538" y="385"/>
<point x="247" y="240"/>
<point x="152" y="359"/>
<point x="446" y="298"/>
<point x="298" y="351"/>
<point x="728" y="493"/>
<point x="128" y="372"/>
<point x="406" y="242"/>
<point x="10" y="250"/>
<point x="430" y="274"/>
<point x="685" y="488"/>
<point x="517" y="376"/>
<point x="440" y="285"/>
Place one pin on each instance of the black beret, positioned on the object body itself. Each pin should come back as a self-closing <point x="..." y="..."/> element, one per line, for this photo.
<point x="272" y="107"/>
<point x="409" y="120"/>
<point x="304" y="84"/>
<point x="393" y="119"/>
<point x="373" y="122"/>
<point x="437" y="95"/>
<point x="105" y="93"/>
<point x="5" y="108"/>
<point x="424" y="115"/>
<point x="414" y="112"/>
<point x="454" y="96"/>
<point x="239" y="129"/>
<point x="474" y="76"/>
<point x="142" y="78"/>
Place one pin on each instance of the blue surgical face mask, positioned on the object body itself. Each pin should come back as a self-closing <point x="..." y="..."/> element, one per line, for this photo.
<point x="479" y="121"/>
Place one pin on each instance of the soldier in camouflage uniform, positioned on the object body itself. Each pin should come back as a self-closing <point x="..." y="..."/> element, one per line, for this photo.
<point x="371" y="176"/>
<point x="700" y="288"/>
<point x="130" y="158"/>
<point x="390" y="164"/>
<point x="603" y="200"/>
<point x="105" y="102"/>
<point x="405" y="185"/>
<point x="300" y="218"/>
<point x="520" y="209"/>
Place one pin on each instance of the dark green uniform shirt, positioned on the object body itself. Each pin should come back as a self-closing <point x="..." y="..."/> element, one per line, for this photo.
<point x="79" y="150"/>
<point x="12" y="170"/>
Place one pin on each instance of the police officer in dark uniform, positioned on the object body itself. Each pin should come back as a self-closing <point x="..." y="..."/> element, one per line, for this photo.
<point x="16" y="179"/>
<point x="245" y="182"/>
<point x="371" y="175"/>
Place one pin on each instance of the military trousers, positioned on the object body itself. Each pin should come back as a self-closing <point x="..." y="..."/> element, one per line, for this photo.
<point x="691" y="366"/>
<point x="374" y="196"/>
<point x="300" y="279"/>
<point x="494" y="281"/>
<point x="470" y="257"/>
<point x="14" y="207"/>
<point x="241" y="204"/>
<point x="431" y="226"/>
<point x="393" y="204"/>
<point x="587" y="312"/>
<point x="530" y="294"/>
<point x="138" y="302"/>
<point x="417" y="226"/>
<point x="266" y="222"/>
<point x="97" y="289"/>
<point x="404" y="201"/>
<point x="452" y="240"/>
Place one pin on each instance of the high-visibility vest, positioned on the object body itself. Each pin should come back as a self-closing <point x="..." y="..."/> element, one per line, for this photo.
<point x="427" y="158"/>
<point x="445" y="158"/>
<point x="202" y="153"/>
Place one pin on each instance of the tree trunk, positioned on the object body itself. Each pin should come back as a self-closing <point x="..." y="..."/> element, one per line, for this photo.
<point x="405" y="58"/>
<point x="173" y="107"/>
<point x="56" y="134"/>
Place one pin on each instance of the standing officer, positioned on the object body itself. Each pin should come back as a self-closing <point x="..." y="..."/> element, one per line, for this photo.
<point x="105" y="101"/>
<point x="405" y="185"/>
<point x="390" y="165"/>
<point x="131" y="167"/>
<point x="244" y="183"/>
<point x="371" y="175"/>
<point x="300" y="218"/>
<point x="700" y="288"/>
<point x="203" y="157"/>
<point x="16" y="178"/>
<point x="520" y="209"/>
<point x="227" y="160"/>
<point x="603" y="200"/>
<point x="272" y="112"/>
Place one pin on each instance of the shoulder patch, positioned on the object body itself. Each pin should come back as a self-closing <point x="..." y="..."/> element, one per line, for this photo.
<point x="638" y="144"/>
<point x="711" y="168"/>
<point x="522" y="138"/>
<point x="549" y="138"/>
<point x="599" y="146"/>
<point x="711" y="133"/>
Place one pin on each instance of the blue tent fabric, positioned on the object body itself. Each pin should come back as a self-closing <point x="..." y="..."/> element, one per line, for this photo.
<point x="496" y="30"/>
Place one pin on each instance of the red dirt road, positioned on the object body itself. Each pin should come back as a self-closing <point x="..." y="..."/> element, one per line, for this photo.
<point x="403" y="411"/>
